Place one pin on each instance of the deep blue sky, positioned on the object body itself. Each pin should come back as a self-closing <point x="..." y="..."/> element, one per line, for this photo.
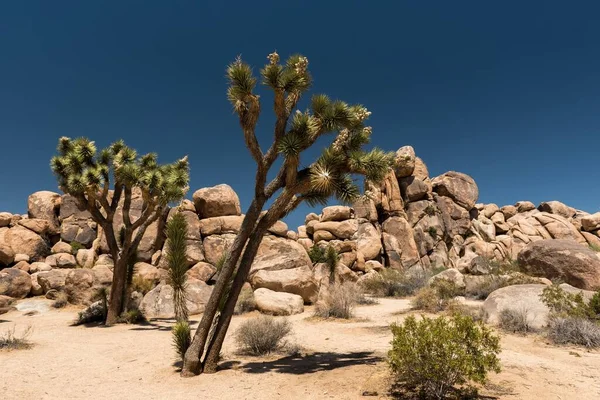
<point x="507" y="92"/>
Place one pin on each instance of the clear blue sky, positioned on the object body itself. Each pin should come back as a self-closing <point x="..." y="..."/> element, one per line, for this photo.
<point x="507" y="92"/>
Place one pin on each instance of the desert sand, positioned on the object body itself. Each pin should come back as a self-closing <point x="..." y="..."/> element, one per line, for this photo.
<point x="339" y="360"/>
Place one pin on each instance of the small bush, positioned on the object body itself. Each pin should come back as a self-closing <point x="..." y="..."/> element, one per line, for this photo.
<point x="141" y="285"/>
<point x="76" y="246"/>
<point x="564" y="304"/>
<point x="11" y="341"/>
<point x="317" y="254"/>
<point x="182" y="338"/>
<point x="574" y="330"/>
<point x="434" y="355"/>
<point x="133" y="316"/>
<point x="490" y="283"/>
<point x="427" y="299"/>
<point x="595" y="247"/>
<point x="515" y="321"/>
<point x="432" y="232"/>
<point x="339" y="302"/>
<point x="262" y="335"/>
<point x="446" y="289"/>
<point x="477" y="313"/>
<point x="61" y="300"/>
<point x="245" y="302"/>
<point x="393" y="283"/>
<point x="594" y="305"/>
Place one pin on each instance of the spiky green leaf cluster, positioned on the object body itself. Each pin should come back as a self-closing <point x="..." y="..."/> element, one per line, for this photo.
<point x="80" y="169"/>
<point x="176" y="260"/>
<point x="292" y="77"/>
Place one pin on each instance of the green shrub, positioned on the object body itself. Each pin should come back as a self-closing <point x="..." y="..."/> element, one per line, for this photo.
<point x="595" y="247"/>
<point x="574" y="330"/>
<point x="432" y="356"/>
<point x="317" y="254"/>
<point x="432" y="232"/>
<point x="76" y="246"/>
<point x="245" y="302"/>
<point x="594" y="305"/>
<point x="11" y="341"/>
<point x="182" y="338"/>
<point x="339" y="302"/>
<point x="477" y="313"/>
<point x="133" y="316"/>
<point x="446" y="289"/>
<point x="393" y="283"/>
<point x="262" y="335"/>
<point x="564" y="304"/>
<point x="515" y="320"/>
<point x="436" y="297"/>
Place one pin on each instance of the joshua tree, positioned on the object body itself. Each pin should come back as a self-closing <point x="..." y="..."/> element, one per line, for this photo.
<point x="87" y="175"/>
<point x="329" y="175"/>
<point x="176" y="246"/>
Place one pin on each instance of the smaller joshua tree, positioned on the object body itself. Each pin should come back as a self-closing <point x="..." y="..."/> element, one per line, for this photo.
<point x="176" y="247"/>
<point x="87" y="175"/>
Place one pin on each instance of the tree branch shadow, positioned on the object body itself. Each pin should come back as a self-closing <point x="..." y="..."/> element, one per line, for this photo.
<point x="308" y="364"/>
<point x="158" y="324"/>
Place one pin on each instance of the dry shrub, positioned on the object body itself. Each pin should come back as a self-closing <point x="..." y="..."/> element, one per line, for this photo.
<point x="516" y="320"/>
<point x="339" y="302"/>
<point x="477" y="313"/>
<point x="436" y="297"/>
<point x="262" y="335"/>
<point x="393" y="283"/>
<point x="133" y="316"/>
<point x="141" y="285"/>
<point x="11" y="341"/>
<point x="245" y="302"/>
<point x="61" y="300"/>
<point x="574" y="330"/>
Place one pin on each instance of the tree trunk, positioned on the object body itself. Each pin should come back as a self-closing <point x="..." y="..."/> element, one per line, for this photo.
<point x="117" y="290"/>
<point x="192" y="360"/>
<point x="214" y="347"/>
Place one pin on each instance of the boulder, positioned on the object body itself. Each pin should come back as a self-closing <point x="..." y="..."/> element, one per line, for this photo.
<point x="310" y="217"/>
<point x="413" y="189"/>
<point x="45" y="205"/>
<point x="524" y="206"/>
<point x="342" y="229"/>
<point x="490" y="209"/>
<point x="306" y="243"/>
<point x="365" y="208"/>
<point x="76" y="223"/>
<point x="14" y="283"/>
<point x="61" y="247"/>
<point x="7" y="255"/>
<point x="590" y="223"/>
<point x="202" y="271"/>
<point x="299" y="281"/>
<point x="567" y="260"/>
<point x="25" y="241"/>
<point x="479" y="266"/>
<point x="216" y="201"/>
<point x="86" y="258"/>
<point x="105" y="259"/>
<point x="220" y="225"/>
<point x="22" y="265"/>
<point x="61" y="260"/>
<point x="279" y="228"/>
<point x="146" y="272"/>
<point x="214" y="247"/>
<point x="158" y="303"/>
<point x="54" y="279"/>
<point x="336" y="213"/>
<point x="39" y="226"/>
<point x="404" y="164"/>
<point x="278" y="254"/>
<point x="319" y="236"/>
<point x="78" y="286"/>
<point x="39" y="267"/>
<point x="558" y="208"/>
<point x="421" y="172"/>
<point x="278" y="303"/>
<point x="399" y="243"/>
<point x="451" y="275"/>
<point x="390" y="197"/>
<point x="292" y="235"/>
<point x="458" y="186"/>
<point x="508" y="211"/>
<point x="5" y="219"/>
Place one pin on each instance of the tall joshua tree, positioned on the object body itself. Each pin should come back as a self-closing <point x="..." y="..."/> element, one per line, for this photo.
<point x="329" y="175"/>
<point x="87" y="175"/>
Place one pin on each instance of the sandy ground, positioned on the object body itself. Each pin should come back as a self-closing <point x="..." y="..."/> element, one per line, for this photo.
<point x="341" y="360"/>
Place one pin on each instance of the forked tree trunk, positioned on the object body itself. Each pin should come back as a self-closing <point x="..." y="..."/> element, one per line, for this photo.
<point x="192" y="360"/>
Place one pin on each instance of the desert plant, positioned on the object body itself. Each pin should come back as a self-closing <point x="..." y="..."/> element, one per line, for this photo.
<point x="329" y="175"/>
<point x="182" y="337"/>
<point x="86" y="175"/>
<point x="393" y="283"/>
<point x="574" y="330"/>
<point x="483" y="289"/>
<point x="317" y="254"/>
<point x="76" y="246"/>
<point x="176" y="260"/>
<point x="141" y="285"/>
<point x="245" y="302"/>
<point x="435" y="355"/>
<point x="446" y="289"/>
<point x="338" y="302"/>
<point x="132" y="316"/>
<point x="477" y="313"/>
<point x="431" y="210"/>
<point x="432" y="232"/>
<point x="428" y="299"/>
<point x="564" y="304"/>
<point x="515" y="320"/>
<point x="332" y="261"/>
<point x="594" y="247"/>
<point x="262" y="335"/>
<point x="11" y="341"/>
<point x="61" y="300"/>
<point x="594" y="305"/>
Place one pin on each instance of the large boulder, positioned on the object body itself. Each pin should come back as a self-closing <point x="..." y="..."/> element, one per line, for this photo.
<point x="146" y="272"/>
<point x="39" y="226"/>
<point x="215" y="246"/>
<point x="5" y="219"/>
<point x="202" y="271"/>
<point x="278" y="254"/>
<point x="369" y="241"/>
<point x="14" y="283"/>
<point x="413" y="189"/>
<point x="567" y="260"/>
<point x="52" y="280"/>
<point x="591" y="222"/>
<point x="278" y="303"/>
<point x="220" y="225"/>
<point x="78" y="286"/>
<point x="399" y="243"/>
<point x="299" y="281"/>
<point x="458" y="186"/>
<point x="158" y="303"/>
<point x="340" y="229"/>
<point x="25" y="241"/>
<point x="45" y="205"/>
<point x="523" y="298"/>
<point x="7" y="254"/>
<point x="336" y="213"/>
<point x="450" y="275"/>
<point x="556" y="207"/>
<point x="404" y="164"/>
<point x="216" y="201"/>
<point x="76" y="223"/>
